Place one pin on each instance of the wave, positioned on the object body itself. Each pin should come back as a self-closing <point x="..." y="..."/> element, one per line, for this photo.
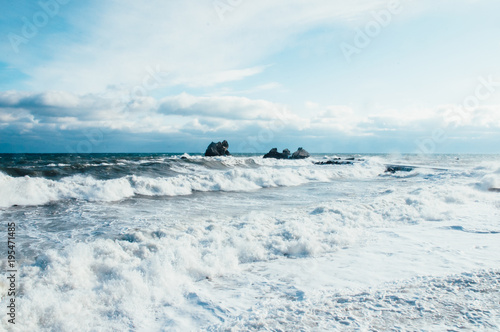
<point x="115" y="178"/>
<point x="37" y="191"/>
<point x="172" y="278"/>
<point x="148" y="278"/>
<point x="490" y="181"/>
<point x="219" y="271"/>
<point x="110" y="168"/>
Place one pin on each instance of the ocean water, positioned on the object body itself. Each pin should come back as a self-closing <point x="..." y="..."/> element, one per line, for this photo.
<point x="162" y="242"/>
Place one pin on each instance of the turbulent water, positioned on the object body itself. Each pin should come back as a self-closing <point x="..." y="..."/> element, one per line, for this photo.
<point x="126" y="242"/>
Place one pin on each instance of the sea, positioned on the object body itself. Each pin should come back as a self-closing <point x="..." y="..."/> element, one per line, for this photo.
<point x="183" y="242"/>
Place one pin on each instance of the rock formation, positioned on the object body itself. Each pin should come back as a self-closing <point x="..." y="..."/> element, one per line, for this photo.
<point x="300" y="154"/>
<point x="273" y="153"/>
<point x="217" y="149"/>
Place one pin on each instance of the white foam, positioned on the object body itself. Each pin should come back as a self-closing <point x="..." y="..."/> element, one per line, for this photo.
<point x="468" y="301"/>
<point x="200" y="274"/>
<point x="330" y="261"/>
<point x="154" y="280"/>
<point x="490" y="181"/>
<point x="58" y="165"/>
<point x="35" y="191"/>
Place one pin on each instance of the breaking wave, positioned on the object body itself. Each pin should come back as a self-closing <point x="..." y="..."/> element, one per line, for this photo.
<point x="38" y="190"/>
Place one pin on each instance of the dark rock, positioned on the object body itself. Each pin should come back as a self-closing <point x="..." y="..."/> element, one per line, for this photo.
<point x="300" y="154"/>
<point x="398" y="168"/>
<point x="273" y="153"/>
<point x="351" y="158"/>
<point x="217" y="149"/>
<point x="496" y="190"/>
<point x="334" y="162"/>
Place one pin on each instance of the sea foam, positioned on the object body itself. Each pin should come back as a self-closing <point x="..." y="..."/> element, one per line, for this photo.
<point x="324" y="247"/>
<point x="36" y="190"/>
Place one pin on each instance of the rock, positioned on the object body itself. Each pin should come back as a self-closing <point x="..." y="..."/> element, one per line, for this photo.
<point x="217" y="149"/>
<point x="334" y="162"/>
<point x="300" y="154"/>
<point x="273" y="153"/>
<point x="398" y="168"/>
<point x="496" y="190"/>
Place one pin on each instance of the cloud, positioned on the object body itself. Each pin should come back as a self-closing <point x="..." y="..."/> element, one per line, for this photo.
<point x="221" y="77"/>
<point x="124" y="74"/>
<point x="239" y="119"/>
<point x="266" y="87"/>
<point x="188" y="40"/>
<point x="65" y="111"/>
<point x="48" y="100"/>
<point x="227" y="107"/>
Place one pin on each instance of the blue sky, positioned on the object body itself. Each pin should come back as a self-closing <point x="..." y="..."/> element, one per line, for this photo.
<point x="331" y="76"/>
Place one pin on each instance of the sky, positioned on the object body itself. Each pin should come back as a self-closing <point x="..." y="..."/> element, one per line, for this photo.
<point x="351" y="76"/>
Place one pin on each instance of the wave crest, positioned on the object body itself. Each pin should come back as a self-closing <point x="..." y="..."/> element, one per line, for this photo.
<point x="37" y="191"/>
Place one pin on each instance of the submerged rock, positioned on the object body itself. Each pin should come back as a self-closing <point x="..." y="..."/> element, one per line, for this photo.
<point x="217" y="149"/>
<point x="300" y="154"/>
<point x="273" y="153"/>
<point x="398" y="168"/>
<point x="334" y="162"/>
<point x="339" y="161"/>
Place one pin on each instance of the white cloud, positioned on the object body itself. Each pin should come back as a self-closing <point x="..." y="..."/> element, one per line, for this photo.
<point x="185" y="39"/>
<point x="228" y="107"/>
<point x="230" y="114"/>
<point x="221" y="77"/>
<point x="94" y="107"/>
<point x="266" y="87"/>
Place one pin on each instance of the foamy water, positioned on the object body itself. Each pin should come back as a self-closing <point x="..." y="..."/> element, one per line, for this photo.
<point x="153" y="243"/>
